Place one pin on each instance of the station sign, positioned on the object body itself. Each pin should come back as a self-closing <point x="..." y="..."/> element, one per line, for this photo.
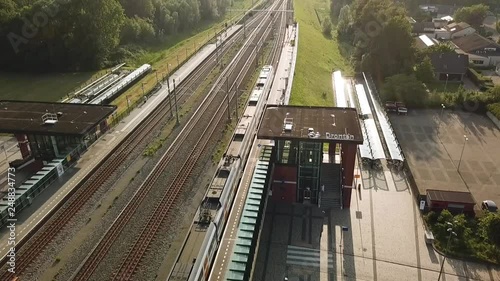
<point x="339" y="136"/>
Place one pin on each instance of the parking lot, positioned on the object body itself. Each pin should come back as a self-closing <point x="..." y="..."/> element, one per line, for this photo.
<point x="451" y="151"/>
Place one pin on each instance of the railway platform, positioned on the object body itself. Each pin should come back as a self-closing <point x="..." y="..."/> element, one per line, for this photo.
<point x="283" y="78"/>
<point x="48" y="200"/>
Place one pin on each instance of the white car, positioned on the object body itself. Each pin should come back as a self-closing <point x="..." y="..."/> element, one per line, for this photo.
<point x="402" y="110"/>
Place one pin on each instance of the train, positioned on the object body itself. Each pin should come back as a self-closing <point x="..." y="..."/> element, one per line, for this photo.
<point x="123" y="84"/>
<point x="216" y="205"/>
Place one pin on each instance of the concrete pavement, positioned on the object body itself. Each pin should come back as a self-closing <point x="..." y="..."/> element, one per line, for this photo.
<point x="385" y="239"/>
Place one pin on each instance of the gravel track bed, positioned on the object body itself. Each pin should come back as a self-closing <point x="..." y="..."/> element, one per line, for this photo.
<point x="118" y="251"/>
<point x="151" y="264"/>
<point x="98" y="231"/>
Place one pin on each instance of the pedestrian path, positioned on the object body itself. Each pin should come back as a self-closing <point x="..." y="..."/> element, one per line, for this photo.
<point x="307" y="257"/>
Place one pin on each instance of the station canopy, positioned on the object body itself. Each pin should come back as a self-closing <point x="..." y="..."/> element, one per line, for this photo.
<point x="325" y="124"/>
<point x="45" y="118"/>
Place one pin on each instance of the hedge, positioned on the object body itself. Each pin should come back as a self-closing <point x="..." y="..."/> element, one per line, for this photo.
<point x="482" y="82"/>
<point x="494" y="108"/>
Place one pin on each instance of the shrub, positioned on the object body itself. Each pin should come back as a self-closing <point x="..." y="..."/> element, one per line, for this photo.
<point x="474" y="76"/>
<point x="494" y="108"/>
<point x="326" y="27"/>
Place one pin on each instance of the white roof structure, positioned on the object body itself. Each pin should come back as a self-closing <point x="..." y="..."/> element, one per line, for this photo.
<point x="447" y="18"/>
<point x="389" y="136"/>
<point x="364" y="149"/>
<point x="427" y="41"/>
<point x="364" y="106"/>
<point x="340" y="97"/>
<point x="350" y="96"/>
<point x="374" y="139"/>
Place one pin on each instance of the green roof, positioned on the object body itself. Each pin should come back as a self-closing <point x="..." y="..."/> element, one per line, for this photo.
<point x="240" y="263"/>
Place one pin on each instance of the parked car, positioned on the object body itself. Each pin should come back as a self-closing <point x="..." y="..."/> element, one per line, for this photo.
<point x="402" y="111"/>
<point x="390" y="106"/>
<point x="489" y="205"/>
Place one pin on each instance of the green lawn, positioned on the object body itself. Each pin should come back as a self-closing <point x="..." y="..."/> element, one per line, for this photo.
<point x="439" y="87"/>
<point x="42" y="87"/>
<point x="317" y="56"/>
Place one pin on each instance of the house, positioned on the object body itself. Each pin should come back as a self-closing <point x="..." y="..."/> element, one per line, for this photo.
<point x="450" y="67"/>
<point x="442" y="21"/>
<point x="459" y="29"/>
<point x="438" y="10"/>
<point x="454" y="201"/>
<point x="454" y="30"/>
<point x="481" y="51"/>
<point x="422" y="28"/>
<point x="424" y="41"/>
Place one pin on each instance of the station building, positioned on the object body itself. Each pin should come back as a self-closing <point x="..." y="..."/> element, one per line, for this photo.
<point x="46" y="130"/>
<point x="304" y="170"/>
<point x="50" y="136"/>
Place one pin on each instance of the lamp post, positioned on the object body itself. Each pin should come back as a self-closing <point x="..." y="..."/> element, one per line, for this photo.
<point x="463" y="148"/>
<point x="450" y="230"/>
<point x="446" y="83"/>
<point x="169" y="96"/>
<point x="168" y="69"/>
<point x="175" y="102"/>
<point x="441" y="117"/>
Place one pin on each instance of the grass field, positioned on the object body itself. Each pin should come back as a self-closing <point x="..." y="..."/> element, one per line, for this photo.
<point x="42" y="87"/>
<point x="439" y="87"/>
<point x="317" y="56"/>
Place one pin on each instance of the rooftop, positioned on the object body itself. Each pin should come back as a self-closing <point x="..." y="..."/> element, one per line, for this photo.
<point x="450" y="196"/>
<point x="47" y="118"/>
<point x="456" y="27"/>
<point x="422" y="27"/>
<point x="473" y="42"/>
<point x="450" y="63"/>
<point x="424" y="41"/>
<point x="311" y="123"/>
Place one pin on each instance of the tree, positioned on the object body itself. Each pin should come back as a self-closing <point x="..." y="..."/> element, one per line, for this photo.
<point x="326" y="27"/>
<point x="473" y="15"/>
<point x="8" y="10"/>
<point x="489" y="226"/>
<point x="440" y="48"/>
<point x="95" y="31"/>
<point x="140" y="8"/>
<point x="405" y="88"/>
<point x="382" y="38"/>
<point x="344" y="21"/>
<point x="424" y="71"/>
<point x="336" y="6"/>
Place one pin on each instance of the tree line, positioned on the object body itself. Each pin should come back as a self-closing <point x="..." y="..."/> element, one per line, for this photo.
<point x="58" y="35"/>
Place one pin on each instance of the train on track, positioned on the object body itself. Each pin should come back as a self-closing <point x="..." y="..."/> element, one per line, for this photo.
<point x="213" y="213"/>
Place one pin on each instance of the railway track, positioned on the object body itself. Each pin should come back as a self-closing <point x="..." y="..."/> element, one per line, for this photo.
<point x="200" y="127"/>
<point x="40" y="237"/>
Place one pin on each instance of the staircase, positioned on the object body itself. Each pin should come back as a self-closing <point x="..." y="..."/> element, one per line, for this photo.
<point x="330" y="178"/>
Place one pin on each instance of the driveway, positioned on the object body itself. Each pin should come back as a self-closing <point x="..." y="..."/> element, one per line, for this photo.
<point x="492" y="74"/>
